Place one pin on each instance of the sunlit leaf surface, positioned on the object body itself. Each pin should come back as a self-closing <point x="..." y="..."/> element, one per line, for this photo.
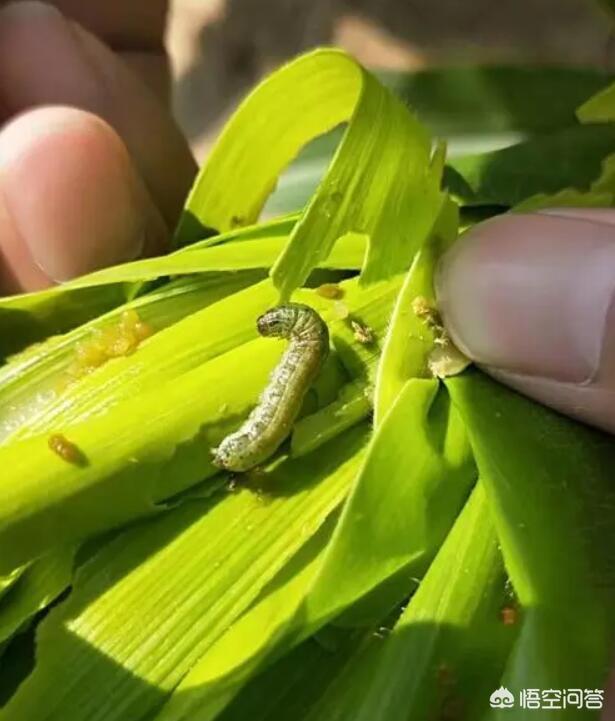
<point x="414" y="544"/>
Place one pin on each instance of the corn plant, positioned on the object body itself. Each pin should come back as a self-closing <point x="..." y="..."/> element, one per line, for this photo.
<point x="418" y="542"/>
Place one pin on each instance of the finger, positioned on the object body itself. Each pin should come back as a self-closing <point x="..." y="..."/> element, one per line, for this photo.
<point x="132" y="28"/>
<point x="46" y="59"/>
<point x="70" y="199"/>
<point x="531" y="298"/>
<point x="131" y="25"/>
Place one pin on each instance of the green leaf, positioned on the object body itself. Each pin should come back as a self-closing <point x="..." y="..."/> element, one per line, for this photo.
<point x="415" y="478"/>
<point x="567" y="198"/>
<point x="217" y="677"/>
<point x="605" y="182"/>
<point x="477" y="109"/>
<point x="16" y="662"/>
<point x="40" y="584"/>
<point x="218" y="257"/>
<point x="151" y="602"/>
<point x="31" y="317"/>
<point x="146" y="423"/>
<point x="201" y="336"/>
<point x="600" y="108"/>
<point x="601" y="193"/>
<point x="549" y="481"/>
<point x="446" y="653"/>
<point x="352" y="404"/>
<point x="416" y="475"/>
<point x="32" y="382"/>
<point x="304" y="99"/>
<point x="409" y="341"/>
<point x="294" y="683"/>
<point x="568" y="158"/>
<point x="396" y="213"/>
<point x="27" y="319"/>
<point x="483" y="100"/>
<point x="49" y="501"/>
<point x="8" y="580"/>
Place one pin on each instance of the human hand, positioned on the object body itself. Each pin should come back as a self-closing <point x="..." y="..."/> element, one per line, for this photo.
<point x="93" y="170"/>
<point x="531" y="299"/>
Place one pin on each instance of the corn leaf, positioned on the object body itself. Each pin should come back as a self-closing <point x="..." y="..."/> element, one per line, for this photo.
<point x="570" y="157"/>
<point x="304" y="99"/>
<point x="139" y="450"/>
<point x="40" y="584"/>
<point x="553" y="510"/>
<point x="442" y="658"/>
<point x="409" y="341"/>
<point x="108" y="653"/>
<point x="32" y="381"/>
<point x="8" y="580"/>
<point x="291" y="687"/>
<point x="392" y="526"/>
<point x="477" y="109"/>
<point x="446" y="653"/>
<point x="386" y="530"/>
<point x="481" y="100"/>
<point x="601" y="193"/>
<point x="202" y="598"/>
<point x="31" y="317"/>
<point x="600" y="108"/>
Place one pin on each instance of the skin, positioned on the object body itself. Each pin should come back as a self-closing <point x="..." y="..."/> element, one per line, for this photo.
<point x="530" y="298"/>
<point x="84" y="114"/>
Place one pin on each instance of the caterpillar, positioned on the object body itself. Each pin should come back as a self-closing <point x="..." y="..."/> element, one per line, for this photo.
<point x="270" y="422"/>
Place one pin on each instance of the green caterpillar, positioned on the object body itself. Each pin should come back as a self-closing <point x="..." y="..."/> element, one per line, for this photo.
<point x="271" y="421"/>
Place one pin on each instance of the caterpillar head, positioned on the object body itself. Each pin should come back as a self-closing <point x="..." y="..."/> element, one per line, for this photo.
<point x="221" y="455"/>
<point x="231" y="454"/>
<point x="273" y="322"/>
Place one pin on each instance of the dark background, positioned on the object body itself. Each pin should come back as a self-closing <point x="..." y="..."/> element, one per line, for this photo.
<point x="220" y="48"/>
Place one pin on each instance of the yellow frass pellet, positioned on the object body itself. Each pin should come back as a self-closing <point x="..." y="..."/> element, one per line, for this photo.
<point x="330" y="290"/>
<point x="114" y="341"/>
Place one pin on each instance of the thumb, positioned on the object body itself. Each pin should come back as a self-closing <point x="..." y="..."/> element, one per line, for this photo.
<point x="531" y="299"/>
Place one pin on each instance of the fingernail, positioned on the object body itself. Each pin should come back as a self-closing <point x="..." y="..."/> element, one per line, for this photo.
<point x="71" y="191"/>
<point x="530" y="294"/>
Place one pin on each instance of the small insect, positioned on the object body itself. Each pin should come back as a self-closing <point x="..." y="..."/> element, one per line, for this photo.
<point x="271" y="421"/>
<point x="67" y="450"/>
<point x="363" y="334"/>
